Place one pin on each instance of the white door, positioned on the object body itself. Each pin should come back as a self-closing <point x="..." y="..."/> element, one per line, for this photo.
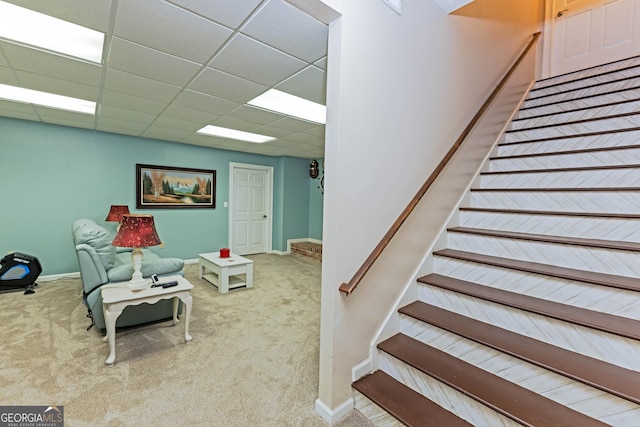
<point x="585" y="33"/>
<point x="250" y="204"/>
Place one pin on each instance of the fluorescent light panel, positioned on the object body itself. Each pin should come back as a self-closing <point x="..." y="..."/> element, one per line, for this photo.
<point x="46" y="32"/>
<point x="284" y="103"/>
<point x="13" y="93"/>
<point x="235" y="134"/>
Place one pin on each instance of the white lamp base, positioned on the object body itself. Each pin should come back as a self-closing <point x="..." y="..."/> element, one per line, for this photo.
<point x="137" y="282"/>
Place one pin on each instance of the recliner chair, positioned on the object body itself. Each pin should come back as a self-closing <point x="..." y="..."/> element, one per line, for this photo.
<point x="102" y="264"/>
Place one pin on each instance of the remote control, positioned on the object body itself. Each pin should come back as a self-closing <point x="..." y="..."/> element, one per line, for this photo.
<point x="170" y="284"/>
<point x="165" y="285"/>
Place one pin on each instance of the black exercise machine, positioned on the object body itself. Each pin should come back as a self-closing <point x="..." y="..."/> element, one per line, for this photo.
<point x="19" y="271"/>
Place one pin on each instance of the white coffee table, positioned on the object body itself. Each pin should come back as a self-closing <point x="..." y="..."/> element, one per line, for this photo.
<point x="224" y="272"/>
<point x="116" y="297"/>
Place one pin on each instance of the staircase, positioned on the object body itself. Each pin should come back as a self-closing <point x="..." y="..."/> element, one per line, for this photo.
<point x="531" y="315"/>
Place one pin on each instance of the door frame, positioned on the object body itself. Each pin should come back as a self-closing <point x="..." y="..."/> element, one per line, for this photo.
<point x="233" y="166"/>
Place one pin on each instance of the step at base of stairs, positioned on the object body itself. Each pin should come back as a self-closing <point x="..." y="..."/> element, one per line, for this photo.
<point x="307" y="250"/>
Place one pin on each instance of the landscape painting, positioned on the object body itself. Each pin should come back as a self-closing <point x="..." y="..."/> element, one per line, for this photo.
<point x="172" y="187"/>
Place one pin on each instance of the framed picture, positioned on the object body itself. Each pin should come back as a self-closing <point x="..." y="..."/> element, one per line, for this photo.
<point x="171" y="187"/>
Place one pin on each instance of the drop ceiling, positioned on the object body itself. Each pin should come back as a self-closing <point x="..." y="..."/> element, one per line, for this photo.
<point x="171" y="67"/>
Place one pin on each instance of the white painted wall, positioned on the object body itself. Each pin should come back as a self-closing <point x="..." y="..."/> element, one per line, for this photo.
<point x="400" y="90"/>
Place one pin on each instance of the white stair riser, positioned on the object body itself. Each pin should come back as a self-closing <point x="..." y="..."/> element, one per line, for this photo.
<point x="571" y="116"/>
<point x="617" y="139"/>
<point x="598" y="178"/>
<point x="579" y="93"/>
<point x="571" y="226"/>
<point x="445" y="396"/>
<point x="603" y="125"/>
<point x="373" y="412"/>
<point x="624" y="263"/>
<point x="571" y="201"/>
<point x="585" y="295"/>
<point x="600" y="345"/>
<point x="589" y="102"/>
<point x="575" y="395"/>
<point x="629" y="62"/>
<point x="628" y="156"/>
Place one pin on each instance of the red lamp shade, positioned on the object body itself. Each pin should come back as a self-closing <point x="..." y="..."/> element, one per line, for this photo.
<point x="137" y="231"/>
<point x="116" y="212"/>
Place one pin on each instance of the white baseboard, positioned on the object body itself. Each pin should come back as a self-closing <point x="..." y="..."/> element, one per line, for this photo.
<point x="333" y="416"/>
<point x="52" y="277"/>
<point x="360" y="370"/>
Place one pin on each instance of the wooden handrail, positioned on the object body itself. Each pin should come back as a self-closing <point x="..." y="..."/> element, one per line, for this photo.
<point x="348" y="287"/>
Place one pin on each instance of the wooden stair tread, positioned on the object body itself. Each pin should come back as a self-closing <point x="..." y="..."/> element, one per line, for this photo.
<point x="622" y="326"/>
<point x="511" y="400"/>
<point x="619" y="282"/>
<point x="405" y="404"/>
<point x="568" y="169"/>
<point x="558" y="213"/>
<point x="602" y="375"/>
<point x="577" y="241"/>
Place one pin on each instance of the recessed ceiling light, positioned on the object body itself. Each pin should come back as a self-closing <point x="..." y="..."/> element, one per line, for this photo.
<point x="60" y="102"/>
<point x="235" y="134"/>
<point x="46" y="32"/>
<point x="284" y="103"/>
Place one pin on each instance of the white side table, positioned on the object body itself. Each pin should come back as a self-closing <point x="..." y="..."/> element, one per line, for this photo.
<point x="223" y="272"/>
<point x="116" y="297"/>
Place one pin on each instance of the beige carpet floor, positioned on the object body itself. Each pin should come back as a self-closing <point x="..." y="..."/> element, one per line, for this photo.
<point x="253" y="360"/>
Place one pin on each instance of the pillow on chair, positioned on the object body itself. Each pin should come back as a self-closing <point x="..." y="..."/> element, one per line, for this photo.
<point x="100" y="239"/>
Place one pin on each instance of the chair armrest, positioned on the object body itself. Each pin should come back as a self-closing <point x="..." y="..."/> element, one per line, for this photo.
<point x="92" y="271"/>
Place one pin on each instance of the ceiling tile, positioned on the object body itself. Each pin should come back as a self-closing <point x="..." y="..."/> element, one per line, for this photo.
<point x="231" y="123"/>
<point x="131" y="102"/>
<point x="255" y="115"/>
<point x="308" y="84"/>
<point x="126" y="114"/>
<point x="256" y="61"/>
<point x="292" y="124"/>
<point x="52" y="115"/>
<point x="57" y="86"/>
<point x="166" y="133"/>
<point x="173" y="123"/>
<point x="47" y="64"/>
<point x="203" y="102"/>
<point x="189" y="114"/>
<point x="7" y="77"/>
<point x="311" y="42"/>
<point x="229" y="13"/>
<point x="119" y="81"/>
<point x="215" y="82"/>
<point x="150" y="63"/>
<point x="133" y="128"/>
<point x="168" y="28"/>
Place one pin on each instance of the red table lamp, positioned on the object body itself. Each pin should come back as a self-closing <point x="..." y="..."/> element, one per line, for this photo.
<point x="116" y="212"/>
<point x="137" y="232"/>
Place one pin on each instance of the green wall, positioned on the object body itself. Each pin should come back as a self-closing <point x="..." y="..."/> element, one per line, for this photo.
<point x="53" y="175"/>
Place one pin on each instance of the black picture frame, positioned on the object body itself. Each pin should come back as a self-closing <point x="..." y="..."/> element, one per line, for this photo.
<point x="165" y="187"/>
